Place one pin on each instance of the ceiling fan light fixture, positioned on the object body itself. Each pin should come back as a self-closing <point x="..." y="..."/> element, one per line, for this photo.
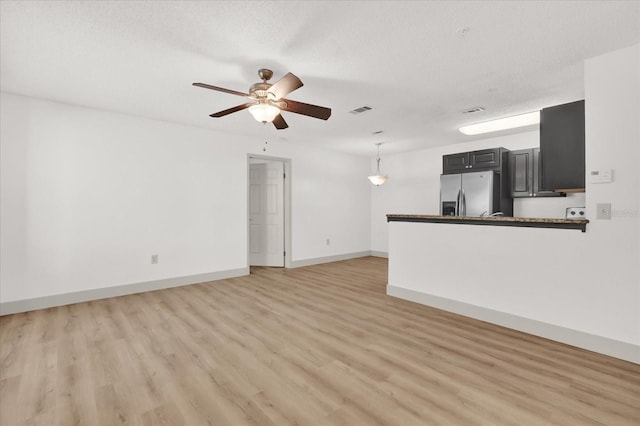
<point x="267" y="100"/>
<point x="264" y="113"/>
<point x="502" y="124"/>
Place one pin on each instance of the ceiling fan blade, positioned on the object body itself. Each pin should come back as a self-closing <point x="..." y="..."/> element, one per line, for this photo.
<point x="279" y="122"/>
<point x="231" y="110"/>
<point x="285" y="85"/>
<point x="306" y="109"/>
<point x="222" y="89"/>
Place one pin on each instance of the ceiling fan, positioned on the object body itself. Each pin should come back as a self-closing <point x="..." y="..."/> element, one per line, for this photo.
<point x="267" y="100"/>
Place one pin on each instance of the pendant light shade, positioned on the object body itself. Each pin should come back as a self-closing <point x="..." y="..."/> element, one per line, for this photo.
<point x="378" y="179"/>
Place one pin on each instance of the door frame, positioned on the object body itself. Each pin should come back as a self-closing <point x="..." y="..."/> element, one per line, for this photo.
<point x="286" y="199"/>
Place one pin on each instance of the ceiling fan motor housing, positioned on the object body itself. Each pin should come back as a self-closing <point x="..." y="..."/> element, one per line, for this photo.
<point x="265" y="74"/>
<point x="259" y="90"/>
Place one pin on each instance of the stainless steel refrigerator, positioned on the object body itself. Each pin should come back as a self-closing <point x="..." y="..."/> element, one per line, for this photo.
<point x="470" y="194"/>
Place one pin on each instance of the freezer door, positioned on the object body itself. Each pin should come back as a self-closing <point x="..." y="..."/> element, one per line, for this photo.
<point x="449" y="190"/>
<point x="477" y="190"/>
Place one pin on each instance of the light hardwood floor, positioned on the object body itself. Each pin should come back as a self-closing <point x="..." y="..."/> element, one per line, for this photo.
<point x="320" y="345"/>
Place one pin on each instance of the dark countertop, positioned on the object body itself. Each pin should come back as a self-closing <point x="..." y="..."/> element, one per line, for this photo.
<point x="528" y="222"/>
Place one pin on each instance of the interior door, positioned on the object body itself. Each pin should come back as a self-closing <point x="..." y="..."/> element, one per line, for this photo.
<point x="266" y="213"/>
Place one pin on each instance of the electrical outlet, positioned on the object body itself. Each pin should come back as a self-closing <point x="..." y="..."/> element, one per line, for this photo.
<point x="328" y="242"/>
<point x="575" y="213"/>
<point x="603" y="211"/>
<point x="154" y="259"/>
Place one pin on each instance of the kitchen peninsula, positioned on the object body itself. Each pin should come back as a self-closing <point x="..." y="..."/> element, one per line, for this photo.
<point x="517" y="272"/>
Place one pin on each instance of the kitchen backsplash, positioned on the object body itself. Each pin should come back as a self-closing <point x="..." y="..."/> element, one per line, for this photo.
<point x="547" y="207"/>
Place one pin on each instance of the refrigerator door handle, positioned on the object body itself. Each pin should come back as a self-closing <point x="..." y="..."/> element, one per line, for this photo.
<point x="463" y="204"/>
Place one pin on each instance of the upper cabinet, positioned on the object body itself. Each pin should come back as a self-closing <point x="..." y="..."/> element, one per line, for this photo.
<point x="525" y="174"/>
<point x="521" y="173"/>
<point x="455" y="163"/>
<point x="562" y="148"/>
<point x="486" y="159"/>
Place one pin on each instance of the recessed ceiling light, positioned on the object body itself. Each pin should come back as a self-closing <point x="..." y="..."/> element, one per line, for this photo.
<point x="502" y="124"/>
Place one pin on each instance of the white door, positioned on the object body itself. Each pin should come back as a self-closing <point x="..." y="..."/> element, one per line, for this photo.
<point x="266" y="213"/>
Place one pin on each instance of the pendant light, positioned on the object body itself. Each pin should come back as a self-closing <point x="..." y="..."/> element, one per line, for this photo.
<point x="378" y="179"/>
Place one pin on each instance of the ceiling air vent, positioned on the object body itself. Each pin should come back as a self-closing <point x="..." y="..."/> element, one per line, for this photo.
<point x="472" y="110"/>
<point x="360" y="110"/>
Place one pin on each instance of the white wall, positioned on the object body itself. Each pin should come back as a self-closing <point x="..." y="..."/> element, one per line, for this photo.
<point x="612" y="109"/>
<point x="330" y="200"/>
<point x="87" y="197"/>
<point x="414" y="185"/>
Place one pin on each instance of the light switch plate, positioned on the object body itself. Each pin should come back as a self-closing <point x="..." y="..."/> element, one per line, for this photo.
<point x="603" y="211"/>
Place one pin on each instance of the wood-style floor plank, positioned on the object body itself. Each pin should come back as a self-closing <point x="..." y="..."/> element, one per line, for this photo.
<point x="319" y="345"/>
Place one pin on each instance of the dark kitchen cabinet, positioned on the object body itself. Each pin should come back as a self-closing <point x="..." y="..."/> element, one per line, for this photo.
<point x="485" y="159"/>
<point x="455" y="163"/>
<point x="562" y="147"/>
<point x="521" y="173"/>
<point x="525" y="174"/>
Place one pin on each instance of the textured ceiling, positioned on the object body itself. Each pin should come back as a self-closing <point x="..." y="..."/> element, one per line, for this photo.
<point x="406" y="60"/>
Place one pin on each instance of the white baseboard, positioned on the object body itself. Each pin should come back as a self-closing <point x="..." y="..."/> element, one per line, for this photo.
<point x="380" y="254"/>
<point x="603" y="345"/>
<point x="14" y="307"/>
<point x="327" y="259"/>
<point x="44" y="302"/>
